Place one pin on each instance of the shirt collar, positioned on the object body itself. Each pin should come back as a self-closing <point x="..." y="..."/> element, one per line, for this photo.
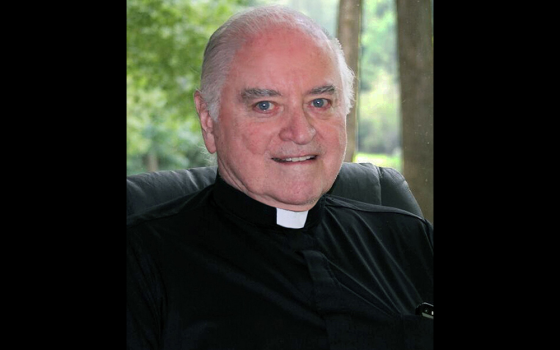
<point x="291" y="219"/>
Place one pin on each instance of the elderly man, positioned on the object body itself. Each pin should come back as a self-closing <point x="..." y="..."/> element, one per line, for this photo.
<point x="265" y="258"/>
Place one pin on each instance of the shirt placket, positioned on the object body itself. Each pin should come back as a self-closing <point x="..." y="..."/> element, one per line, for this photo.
<point x="329" y="301"/>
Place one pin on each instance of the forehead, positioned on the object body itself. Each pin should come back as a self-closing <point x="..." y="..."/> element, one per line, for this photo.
<point x="284" y="58"/>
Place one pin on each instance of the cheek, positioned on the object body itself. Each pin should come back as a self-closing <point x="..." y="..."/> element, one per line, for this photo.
<point x="341" y="128"/>
<point x="335" y="132"/>
<point x="261" y="145"/>
<point x="247" y="138"/>
<point x="336" y="140"/>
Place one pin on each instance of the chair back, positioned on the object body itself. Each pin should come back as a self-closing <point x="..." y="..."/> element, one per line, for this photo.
<point x="360" y="181"/>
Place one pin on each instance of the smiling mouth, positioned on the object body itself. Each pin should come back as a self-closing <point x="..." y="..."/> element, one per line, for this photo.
<point x="294" y="159"/>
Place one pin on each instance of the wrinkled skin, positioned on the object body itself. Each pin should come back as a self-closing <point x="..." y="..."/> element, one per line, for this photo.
<point x="281" y="132"/>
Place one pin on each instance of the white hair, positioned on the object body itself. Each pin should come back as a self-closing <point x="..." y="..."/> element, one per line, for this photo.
<point x="227" y="39"/>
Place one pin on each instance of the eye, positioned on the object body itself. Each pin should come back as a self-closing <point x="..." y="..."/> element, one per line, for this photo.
<point x="320" y="102"/>
<point x="264" y="105"/>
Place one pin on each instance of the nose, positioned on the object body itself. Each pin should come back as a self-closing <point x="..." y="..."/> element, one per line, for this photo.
<point x="298" y="127"/>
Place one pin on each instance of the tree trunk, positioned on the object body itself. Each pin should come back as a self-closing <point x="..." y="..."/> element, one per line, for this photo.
<point x="349" y="30"/>
<point x="151" y="161"/>
<point x="416" y="65"/>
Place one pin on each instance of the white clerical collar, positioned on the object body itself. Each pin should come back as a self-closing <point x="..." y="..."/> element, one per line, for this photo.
<point x="291" y="219"/>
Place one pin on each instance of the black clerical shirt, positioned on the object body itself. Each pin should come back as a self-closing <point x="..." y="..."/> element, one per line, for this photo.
<point x="213" y="270"/>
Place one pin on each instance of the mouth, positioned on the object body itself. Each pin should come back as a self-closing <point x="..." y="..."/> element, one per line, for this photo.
<point x="294" y="159"/>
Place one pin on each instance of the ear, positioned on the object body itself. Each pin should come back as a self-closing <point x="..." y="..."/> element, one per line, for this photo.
<point x="206" y="122"/>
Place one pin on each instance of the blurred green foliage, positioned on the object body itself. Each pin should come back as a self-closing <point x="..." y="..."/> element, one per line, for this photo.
<point x="165" y="42"/>
<point x="381" y="159"/>
<point x="379" y="43"/>
<point x="379" y="124"/>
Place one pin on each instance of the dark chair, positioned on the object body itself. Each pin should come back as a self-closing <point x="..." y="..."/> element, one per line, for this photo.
<point x="360" y="181"/>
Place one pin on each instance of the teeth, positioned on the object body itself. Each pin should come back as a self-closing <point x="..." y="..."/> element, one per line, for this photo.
<point x="295" y="159"/>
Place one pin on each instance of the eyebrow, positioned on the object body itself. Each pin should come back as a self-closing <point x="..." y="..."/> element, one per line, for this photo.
<point x="325" y="89"/>
<point x="254" y="93"/>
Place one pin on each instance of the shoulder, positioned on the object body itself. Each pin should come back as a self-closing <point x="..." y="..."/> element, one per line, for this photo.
<point x="378" y="217"/>
<point x="347" y="204"/>
<point x="170" y="210"/>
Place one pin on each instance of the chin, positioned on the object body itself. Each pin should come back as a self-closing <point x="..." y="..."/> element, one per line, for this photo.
<point x="300" y="200"/>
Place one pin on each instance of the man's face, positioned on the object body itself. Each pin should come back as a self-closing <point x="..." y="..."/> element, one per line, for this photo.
<point x="281" y="132"/>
